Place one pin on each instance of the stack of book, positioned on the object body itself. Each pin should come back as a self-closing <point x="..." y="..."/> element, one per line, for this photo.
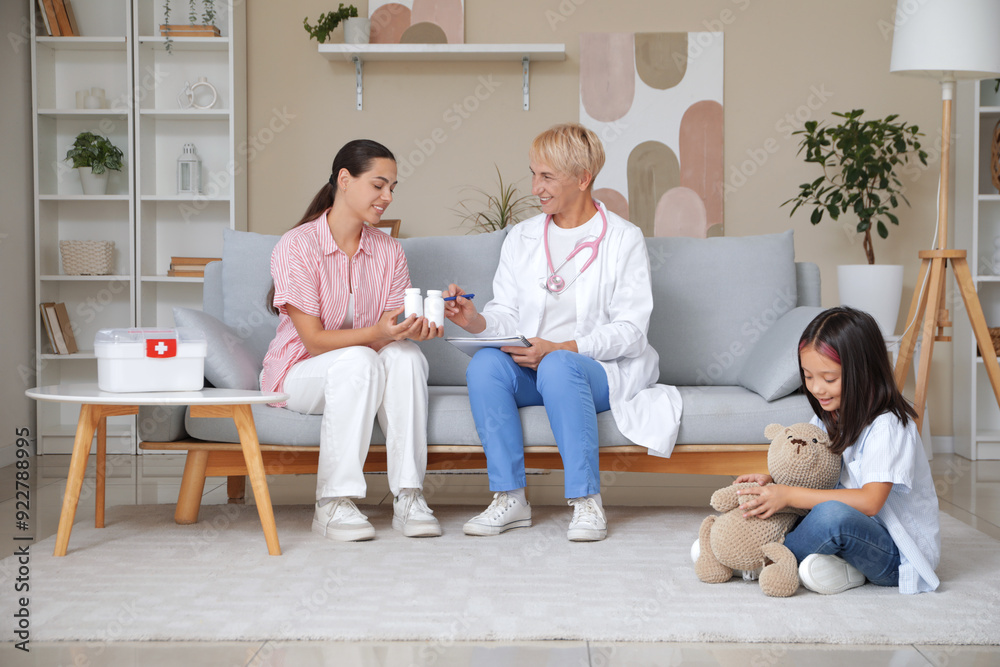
<point x="58" y="18"/>
<point x="57" y="325"/>
<point x="190" y="267"/>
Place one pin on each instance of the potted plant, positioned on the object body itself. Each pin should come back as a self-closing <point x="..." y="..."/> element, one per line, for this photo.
<point x="199" y="24"/>
<point x="93" y="155"/>
<point x="498" y="210"/>
<point x="328" y="21"/>
<point x="859" y="159"/>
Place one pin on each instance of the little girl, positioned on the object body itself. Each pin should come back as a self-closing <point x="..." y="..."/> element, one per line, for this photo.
<point x="881" y="522"/>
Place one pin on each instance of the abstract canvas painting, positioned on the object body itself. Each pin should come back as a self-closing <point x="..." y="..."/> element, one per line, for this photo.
<point x="655" y="100"/>
<point x="417" y="21"/>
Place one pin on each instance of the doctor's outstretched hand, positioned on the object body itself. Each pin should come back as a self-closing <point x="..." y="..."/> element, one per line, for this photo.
<point x="463" y="311"/>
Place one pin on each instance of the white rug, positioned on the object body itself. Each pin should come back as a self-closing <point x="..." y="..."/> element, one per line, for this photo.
<point x="146" y="578"/>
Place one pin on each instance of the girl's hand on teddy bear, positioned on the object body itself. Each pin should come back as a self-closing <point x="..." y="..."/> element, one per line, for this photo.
<point x="755" y="478"/>
<point x="763" y="501"/>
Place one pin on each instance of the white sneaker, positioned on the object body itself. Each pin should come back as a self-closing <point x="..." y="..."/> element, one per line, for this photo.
<point x="827" y="574"/>
<point x="748" y="575"/>
<point x="412" y="516"/>
<point x="504" y="513"/>
<point x="341" y="520"/>
<point x="588" y="523"/>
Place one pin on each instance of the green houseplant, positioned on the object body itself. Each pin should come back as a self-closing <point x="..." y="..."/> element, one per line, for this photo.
<point x="490" y="211"/>
<point x="859" y="159"/>
<point x="93" y="156"/>
<point x="328" y="21"/>
<point x="199" y="25"/>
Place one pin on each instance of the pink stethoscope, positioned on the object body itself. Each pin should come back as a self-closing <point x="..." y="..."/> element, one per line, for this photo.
<point x="555" y="283"/>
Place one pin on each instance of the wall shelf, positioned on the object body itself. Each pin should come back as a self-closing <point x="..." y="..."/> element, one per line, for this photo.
<point x="358" y="54"/>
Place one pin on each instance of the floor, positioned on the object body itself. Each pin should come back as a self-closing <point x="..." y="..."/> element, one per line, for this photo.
<point x="969" y="491"/>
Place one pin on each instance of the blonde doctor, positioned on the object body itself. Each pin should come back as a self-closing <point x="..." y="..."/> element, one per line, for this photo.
<point x="575" y="281"/>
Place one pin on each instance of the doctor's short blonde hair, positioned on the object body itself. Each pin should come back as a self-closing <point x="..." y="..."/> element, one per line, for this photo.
<point x="569" y="148"/>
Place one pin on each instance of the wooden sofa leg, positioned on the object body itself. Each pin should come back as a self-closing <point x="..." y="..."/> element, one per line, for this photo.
<point x="236" y="485"/>
<point x="192" y="487"/>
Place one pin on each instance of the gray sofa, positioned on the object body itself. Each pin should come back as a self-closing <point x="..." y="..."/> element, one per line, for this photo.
<point x="728" y="312"/>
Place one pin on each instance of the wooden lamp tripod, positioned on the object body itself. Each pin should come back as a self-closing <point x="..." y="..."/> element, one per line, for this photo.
<point x="946" y="40"/>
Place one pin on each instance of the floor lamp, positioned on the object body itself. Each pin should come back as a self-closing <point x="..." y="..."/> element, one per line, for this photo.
<point x="946" y="40"/>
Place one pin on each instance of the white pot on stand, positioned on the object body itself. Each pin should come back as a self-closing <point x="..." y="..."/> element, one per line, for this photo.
<point x="876" y="289"/>
<point x="93" y="184"/>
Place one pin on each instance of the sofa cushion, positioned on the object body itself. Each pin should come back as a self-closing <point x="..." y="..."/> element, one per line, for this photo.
<point x="246" y="280"/>
<point x="230" y="363"/>
<point x="712" y="297"/>
<point x="733" y="415"/>
<point x="469" y="262"/>
<point x="772" y="367"/>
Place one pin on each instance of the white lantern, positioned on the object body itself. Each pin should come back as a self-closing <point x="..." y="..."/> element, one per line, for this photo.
<point x="189" y="172"/>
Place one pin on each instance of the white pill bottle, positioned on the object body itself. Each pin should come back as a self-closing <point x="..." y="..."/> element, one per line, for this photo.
<point x="434" y="307"/>
<point x="413" y="302"/>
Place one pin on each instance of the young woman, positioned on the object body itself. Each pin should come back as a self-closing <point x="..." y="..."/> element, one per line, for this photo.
<point x="339" y="352"/>
<point x="575" y="281"/>
<point x="881" y="522"/>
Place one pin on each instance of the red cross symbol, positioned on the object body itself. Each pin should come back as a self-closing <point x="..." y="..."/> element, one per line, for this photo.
<point x="161" y="347"/>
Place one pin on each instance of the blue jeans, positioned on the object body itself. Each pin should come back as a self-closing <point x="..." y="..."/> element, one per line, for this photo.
<point x="837" y="529"/>
<point x="573" y="388"/>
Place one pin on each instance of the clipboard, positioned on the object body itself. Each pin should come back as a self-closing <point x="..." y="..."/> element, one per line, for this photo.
<point x="471" y="344"/>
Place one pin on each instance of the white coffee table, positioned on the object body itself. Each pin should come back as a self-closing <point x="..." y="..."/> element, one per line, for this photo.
<point x="96" y="406"/>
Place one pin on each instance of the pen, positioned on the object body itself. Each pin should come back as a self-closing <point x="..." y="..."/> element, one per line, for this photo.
<point x="464" y="296"/>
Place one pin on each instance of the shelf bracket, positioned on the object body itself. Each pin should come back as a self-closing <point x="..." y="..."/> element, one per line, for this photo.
<point x="524" y="74"/>
<point x="358" y="74"/>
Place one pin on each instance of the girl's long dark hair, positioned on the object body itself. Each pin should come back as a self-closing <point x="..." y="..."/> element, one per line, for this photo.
<point x="867" y="386"/>
<point x="356" y="157"/>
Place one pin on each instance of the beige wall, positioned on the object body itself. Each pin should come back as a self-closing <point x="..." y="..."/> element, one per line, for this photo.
<point x="17" y="325"/>
<point x="786" y="61"/>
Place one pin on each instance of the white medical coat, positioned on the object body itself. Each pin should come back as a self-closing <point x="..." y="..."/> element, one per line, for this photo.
<point x="614" y="300"/>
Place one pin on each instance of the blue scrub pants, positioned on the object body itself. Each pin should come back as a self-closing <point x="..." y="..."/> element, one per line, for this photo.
<point x="837" y="529"/>
<point x="572" y="387"/>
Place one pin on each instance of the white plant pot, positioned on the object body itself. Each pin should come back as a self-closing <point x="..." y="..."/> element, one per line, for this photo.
<point x="357" y="30"/>
<point x="93" y="184"/>
<point x="876" y="289"/>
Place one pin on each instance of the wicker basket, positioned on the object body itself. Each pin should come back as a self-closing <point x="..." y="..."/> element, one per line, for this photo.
<point x="995" y="338"/>
<point x="87" y="258"/>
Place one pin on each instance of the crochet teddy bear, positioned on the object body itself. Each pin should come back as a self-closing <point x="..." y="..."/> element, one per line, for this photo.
<point x="799" y="455"/>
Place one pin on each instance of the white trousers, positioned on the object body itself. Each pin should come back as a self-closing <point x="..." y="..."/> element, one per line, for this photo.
<point x="350" y="387"/>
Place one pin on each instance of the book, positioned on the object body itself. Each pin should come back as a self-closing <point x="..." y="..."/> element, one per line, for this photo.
<point x="471" y="344"/>
<point x="187" y="267"/>
<point x="185" y="274"/>
<point x="62" y="18"/>
<point x="72" y="17"/>
<point x="66" y="328"/>
<point x="49" y="17"/>
<point x="43" y="310"/>
<point x="202" y="261"/>
<point x="52" y="327"/>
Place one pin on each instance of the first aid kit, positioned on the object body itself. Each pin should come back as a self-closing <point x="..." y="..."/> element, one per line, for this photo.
<point x="136" y="360"/>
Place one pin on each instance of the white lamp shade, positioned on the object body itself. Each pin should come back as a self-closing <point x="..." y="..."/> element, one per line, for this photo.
<point x="947" y="39"/>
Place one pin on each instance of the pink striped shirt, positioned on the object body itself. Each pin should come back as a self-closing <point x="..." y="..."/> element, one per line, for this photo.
<point x="310" y="272"/>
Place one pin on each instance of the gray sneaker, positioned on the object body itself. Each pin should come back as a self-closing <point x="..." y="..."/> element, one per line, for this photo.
<point x="828" y="574"/>
<point x="588" y="523"/>
<point x="341" y="520"/>
<point x="504" y="513"/>
<point x="412" y="516"/>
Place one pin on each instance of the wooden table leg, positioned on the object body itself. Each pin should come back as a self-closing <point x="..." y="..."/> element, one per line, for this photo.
<point x="102" y="450"/>
<point x="192" y="487"/>
<point x="255" y="471"/>
<point x="85" y="428"/>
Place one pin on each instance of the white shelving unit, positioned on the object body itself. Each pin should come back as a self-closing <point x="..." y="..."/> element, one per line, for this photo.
<point x="122" y="52"/>
<point x="358" y="54"/>
<point x="977" y="208"/>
